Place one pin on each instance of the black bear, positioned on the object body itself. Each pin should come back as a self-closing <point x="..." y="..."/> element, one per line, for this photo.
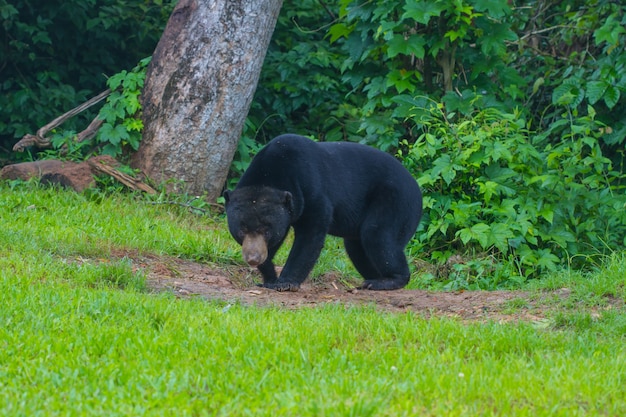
<point x="344" y="189"/>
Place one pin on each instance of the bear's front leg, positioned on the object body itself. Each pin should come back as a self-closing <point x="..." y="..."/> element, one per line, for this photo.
<point x="268" y="271"/>
<point x="307" y="246"/>
<point x="270" y="279"/>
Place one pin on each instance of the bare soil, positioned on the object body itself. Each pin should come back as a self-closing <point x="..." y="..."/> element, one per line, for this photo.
<point x="238" y="285"/>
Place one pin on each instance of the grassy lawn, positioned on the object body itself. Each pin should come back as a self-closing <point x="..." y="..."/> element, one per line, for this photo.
<point x="89" y="339"/>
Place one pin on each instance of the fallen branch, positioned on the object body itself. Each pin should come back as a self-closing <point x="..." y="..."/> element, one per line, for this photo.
<point x="91" y="130"/>
<point x="125" y="179"/>
<point x="41" y="141"/>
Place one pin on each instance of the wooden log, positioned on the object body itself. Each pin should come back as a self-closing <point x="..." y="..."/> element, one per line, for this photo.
<point x="77" y="176"/>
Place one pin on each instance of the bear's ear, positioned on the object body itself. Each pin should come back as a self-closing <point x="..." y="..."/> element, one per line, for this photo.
<point x="288" y="199"/>
<point x="227" y="195"/>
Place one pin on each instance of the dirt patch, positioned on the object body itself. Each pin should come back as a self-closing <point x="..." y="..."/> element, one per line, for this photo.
<point x="238" y="285"/>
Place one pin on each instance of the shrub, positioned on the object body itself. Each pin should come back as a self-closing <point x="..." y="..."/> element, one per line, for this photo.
<point x="493" y="188"/>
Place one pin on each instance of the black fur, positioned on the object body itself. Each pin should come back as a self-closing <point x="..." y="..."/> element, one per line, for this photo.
<point x="344" y="189"/>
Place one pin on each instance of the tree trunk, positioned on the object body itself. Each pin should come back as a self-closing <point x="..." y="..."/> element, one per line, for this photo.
<point x="198" y="91"/>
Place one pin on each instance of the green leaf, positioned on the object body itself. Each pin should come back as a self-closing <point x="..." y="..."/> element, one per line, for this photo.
<point x="131" y="82"/>
<point x="133" y="141"/>
<point x="455" y="34"/>
<point x="495" y="8"/>
<point x="611" y="96"/>
<point x="131" y="100"/>
<point x="547" y="213"/>
<point x="414" y="45"/>
<point x="547" y="259"/>
<point x="92" y="23"/>
<point x="569" y="93"/>
<point x="422" y="11"/>
<point x="111" y="150"/>
<point x="537" y="84"/>
<point x="105" y="132"/>
<point x="560" y="236"/>
<point x="499" y="235"/>
<point x="444" y="168"/>
<point x="108" y="114"/>
<point x="401" y="80"/>
<point x="121" y="133"/>
<point x="397" y="45"/>
<point x="488" y="189"/>
<point x="116" y="80"/>
<point x="42" y="37"/>
<point x="7" y="11"/>
<point x="495" y="42"/>
<point x="501" y="151"/>
<point x="595" y="90"/>
<point x="478" y="232"/>
<point x="338" y="31"/>
<point x="609" y="32"/>
<point x="133" y="125"/>
<point x="113" y="135"/>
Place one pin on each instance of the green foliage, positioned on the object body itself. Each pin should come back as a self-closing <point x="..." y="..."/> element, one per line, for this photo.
<point x="65" y="147"/>
<point x="300" y="89"/>
<point x="577" y="51"/>
<point x="121" y="114"/>
<point x="122" y="126"/>
<point x="494" y="190"/>
<point x="474" y="54"/>
<point x="403" y="49"/>
<point x="56" y="54"/>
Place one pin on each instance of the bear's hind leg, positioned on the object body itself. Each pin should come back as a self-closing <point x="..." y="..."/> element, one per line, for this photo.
<point x="393" y="278"/>
<point x="359" y="259"/>
<point x="385" y="251"/>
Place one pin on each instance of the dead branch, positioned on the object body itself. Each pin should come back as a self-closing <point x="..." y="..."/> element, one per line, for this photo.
<point x="127" y="180"/>
<point x="91" y="130"/>
<point x="41" y="141"/>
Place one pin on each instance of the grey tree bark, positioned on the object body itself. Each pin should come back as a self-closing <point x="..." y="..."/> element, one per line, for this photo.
<point x="198" y="91"/>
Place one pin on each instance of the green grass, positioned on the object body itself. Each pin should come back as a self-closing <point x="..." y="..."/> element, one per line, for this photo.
<point x="86" y="338"/>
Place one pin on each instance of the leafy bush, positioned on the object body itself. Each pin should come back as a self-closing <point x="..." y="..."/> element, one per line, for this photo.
<point x="300" y="88"/>
<point x="472" y="54"/>
<point x="508" y="196"/>
<point x="122" y="125"/>
<point x="574" y="54"/>
<point x="408" y="48"/>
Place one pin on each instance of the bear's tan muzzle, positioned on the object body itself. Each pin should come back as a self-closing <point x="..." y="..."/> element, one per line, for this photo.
<point x="254" y="249"/>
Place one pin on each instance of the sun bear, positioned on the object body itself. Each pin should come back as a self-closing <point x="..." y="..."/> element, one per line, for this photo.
<point x="344" y="189"/>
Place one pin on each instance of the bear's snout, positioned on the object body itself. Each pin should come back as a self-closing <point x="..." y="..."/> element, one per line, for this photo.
<point x="254" y="249"/>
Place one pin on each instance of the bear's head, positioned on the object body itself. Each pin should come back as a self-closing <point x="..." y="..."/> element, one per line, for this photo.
<point x="258" y="219"/>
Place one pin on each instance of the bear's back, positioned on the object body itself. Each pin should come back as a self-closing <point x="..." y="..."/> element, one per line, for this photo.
<point x="335" y="169"/>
